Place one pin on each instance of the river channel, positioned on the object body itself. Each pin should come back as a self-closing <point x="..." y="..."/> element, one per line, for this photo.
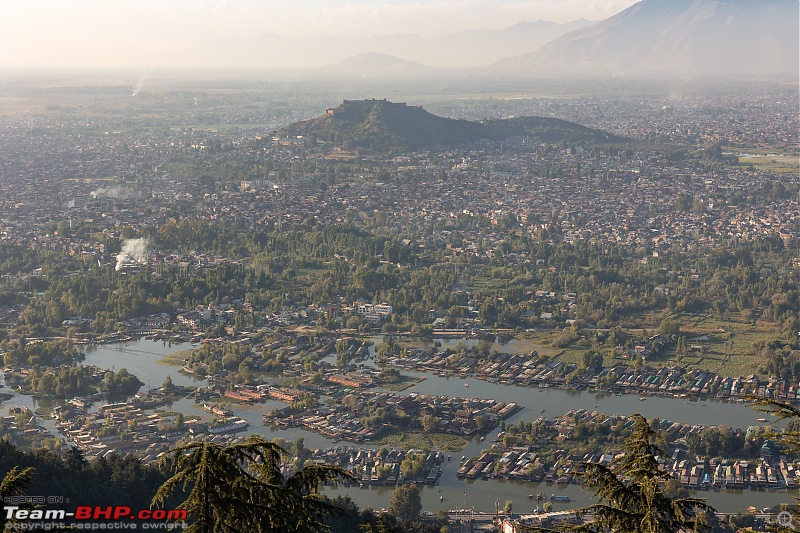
<point x="140" y="357"/>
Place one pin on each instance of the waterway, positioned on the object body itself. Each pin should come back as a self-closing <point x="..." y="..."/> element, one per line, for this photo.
<point x="141" y="358"/>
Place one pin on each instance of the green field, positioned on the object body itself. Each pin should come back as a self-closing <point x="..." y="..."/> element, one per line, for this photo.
<point x="176" y="358"/>
<point x="405" y="383"/>
<point x="424" y="441"/>
<point x="726" y="345"/>
<point x="771" y="162"/>
<point x="487" y="283"/>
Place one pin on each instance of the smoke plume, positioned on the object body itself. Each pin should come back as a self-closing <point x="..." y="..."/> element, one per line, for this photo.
<point x="114" y="191"/>
<point x="138" y="87"/>
<point x="133" y="251"/>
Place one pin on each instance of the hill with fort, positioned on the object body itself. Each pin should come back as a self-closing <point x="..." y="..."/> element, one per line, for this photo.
<point x="391" y="127"/>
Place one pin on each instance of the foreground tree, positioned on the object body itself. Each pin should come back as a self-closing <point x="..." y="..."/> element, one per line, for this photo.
<point x="406" y="503"/>
<point x="632" y="492"/>
<point x="241" y="488"/>
<point x="790" y="436"/>
<point x="12" y="485"/>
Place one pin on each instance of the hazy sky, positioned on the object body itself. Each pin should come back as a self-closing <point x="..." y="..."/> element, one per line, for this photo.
<point x="55" y="33"/>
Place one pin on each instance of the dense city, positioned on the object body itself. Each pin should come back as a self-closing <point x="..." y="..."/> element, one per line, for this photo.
<point x="311" y="291"/>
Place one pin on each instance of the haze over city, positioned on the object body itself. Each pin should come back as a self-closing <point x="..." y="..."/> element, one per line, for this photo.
<point x="149" y="33"/>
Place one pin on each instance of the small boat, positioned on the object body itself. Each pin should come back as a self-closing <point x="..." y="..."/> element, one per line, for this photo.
<point x="543" y="410"/>
<point x="449" y="457"/>
<point x="466" y="385"/>
<point x="762" y="420"/>
<point x="642" y="399"/>
<point x="482" y="438"/>
<point x="441" y="498"/>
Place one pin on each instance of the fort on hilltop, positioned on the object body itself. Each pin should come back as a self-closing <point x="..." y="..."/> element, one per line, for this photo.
<point x="359" y="106"/>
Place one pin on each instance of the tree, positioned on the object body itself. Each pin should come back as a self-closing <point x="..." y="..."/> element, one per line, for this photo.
<point x="631" y="491"/>
<point x="168" y="385"/>
<point x="241" y="488"/>
<point x="406" y="502"/>
<point x="484" y="346"/>
<point x="12" y="485"/>
<point x="300" y="448"/>
<point x="508" y="507"/>
<point x="430" y="423"/>
<point x="593" y="360"/>
<point x="670" y="326"/>
<point x="790" y="436"/>
<point x="412" y="466"/>
<point x="343" y="351"/>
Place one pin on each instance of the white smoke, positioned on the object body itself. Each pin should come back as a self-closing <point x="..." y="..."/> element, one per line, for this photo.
<point x="133" y="251"/>
<point x="138" y="87"/>
<point x="115" y="191"/>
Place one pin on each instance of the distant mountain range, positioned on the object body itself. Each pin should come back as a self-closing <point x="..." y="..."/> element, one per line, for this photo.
<point x="462" y="50"/>
<point x="663" y="37"/>
<point x="372" y="65"/>
<point x="390" y="128"/>
<point x="696" y="37"/>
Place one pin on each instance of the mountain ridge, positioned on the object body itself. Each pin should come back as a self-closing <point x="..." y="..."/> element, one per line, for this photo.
<point x="373" y="64"/>
<point x="696" y="37"/>
<point x="465" y="49"/>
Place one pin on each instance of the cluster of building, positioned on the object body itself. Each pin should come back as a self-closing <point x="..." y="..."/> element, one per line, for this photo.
<point x="518" y="369"/>
<point x="22" y="426"/>
<point x="288" y="355"/>
<point x="740" y="117"/>
<point x="134" y="427"/>
<point x="537" y="462"/>
<point x="680" y="381"/>
<point x="110" y="182"/>
<point x="350" y="416"/>
<point x="203" y="317"/>
<point x="381" y="467"/>
<point x="529" y="370"/>
<point x="737" y="475"/>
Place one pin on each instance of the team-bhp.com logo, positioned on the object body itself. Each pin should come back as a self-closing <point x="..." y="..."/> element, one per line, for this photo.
<point x="94" y="517"/>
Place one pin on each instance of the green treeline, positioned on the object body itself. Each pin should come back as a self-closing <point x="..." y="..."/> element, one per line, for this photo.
<point x="238" y="487"/>
<point x="110" y="480"/>
<point x="305" y="264"/>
